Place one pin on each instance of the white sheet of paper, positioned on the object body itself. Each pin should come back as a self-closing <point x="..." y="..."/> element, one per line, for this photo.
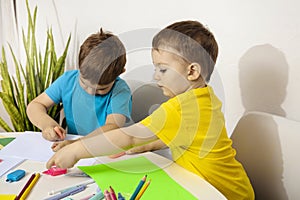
<point x="8" y="163"/>
<point x="29" y="145"/>
<point x="32" y="146"/>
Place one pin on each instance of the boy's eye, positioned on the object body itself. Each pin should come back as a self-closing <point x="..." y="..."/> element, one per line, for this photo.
<point x="161" y="69"/>
<point x="101" y="89"/>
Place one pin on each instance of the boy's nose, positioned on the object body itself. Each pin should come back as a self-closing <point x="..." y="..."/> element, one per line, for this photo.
<point x="155" y="75"/>
<point x="90" y="91"/>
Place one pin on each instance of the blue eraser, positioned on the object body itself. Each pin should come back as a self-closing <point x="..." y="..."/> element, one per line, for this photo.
<point x="15" y="175"/>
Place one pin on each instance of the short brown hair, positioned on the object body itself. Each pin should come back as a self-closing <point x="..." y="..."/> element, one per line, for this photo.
<point x="102" y="58"/>
<point x="192" y="41"/>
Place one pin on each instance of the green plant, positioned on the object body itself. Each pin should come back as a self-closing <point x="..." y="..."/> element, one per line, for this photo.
<point x="39" y="72"/>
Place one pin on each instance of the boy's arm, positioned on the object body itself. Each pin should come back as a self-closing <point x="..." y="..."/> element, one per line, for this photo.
<point x="37" y="114"/>
<point x="152" y="146"/>
<point x="108" y="143"/>
<point x="113" y="121"/>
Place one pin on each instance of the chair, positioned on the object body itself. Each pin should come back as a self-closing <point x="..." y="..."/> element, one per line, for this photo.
<point x="267" y="146"/>
<point x="146" y="97"/>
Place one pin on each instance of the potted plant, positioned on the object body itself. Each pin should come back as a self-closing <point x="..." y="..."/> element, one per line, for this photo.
<point x="30" y="80"/>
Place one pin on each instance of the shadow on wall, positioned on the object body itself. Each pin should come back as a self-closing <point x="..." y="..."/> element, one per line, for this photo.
<point x="263" y="75"/>
<point x="256" y="140"/>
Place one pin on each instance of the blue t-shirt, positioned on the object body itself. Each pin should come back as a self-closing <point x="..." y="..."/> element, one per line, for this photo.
<point x="84" y="112"/>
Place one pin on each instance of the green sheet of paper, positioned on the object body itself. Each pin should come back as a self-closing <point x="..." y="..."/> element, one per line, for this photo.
<point x="125" y="175"/>
<point x="4" y="141"/>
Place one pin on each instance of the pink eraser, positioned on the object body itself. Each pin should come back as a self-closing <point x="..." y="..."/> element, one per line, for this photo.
<point x="54" y="171"/>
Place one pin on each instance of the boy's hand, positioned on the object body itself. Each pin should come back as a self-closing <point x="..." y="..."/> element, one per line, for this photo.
<point x="58" y="145"/>
<point x="54" y="134"/>
<point x="66" y="157"/>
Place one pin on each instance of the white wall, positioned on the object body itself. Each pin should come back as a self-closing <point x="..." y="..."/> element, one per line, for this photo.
<point x="259" y="40"/>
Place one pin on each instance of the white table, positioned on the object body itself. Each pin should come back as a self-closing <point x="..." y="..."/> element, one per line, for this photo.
<point x="191" y="182"/>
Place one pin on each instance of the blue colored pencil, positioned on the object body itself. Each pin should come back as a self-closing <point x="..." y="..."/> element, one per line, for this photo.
<point x="138" y="188"/>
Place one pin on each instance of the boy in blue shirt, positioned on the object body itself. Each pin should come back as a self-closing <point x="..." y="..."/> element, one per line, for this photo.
<point x="93" y="96"/>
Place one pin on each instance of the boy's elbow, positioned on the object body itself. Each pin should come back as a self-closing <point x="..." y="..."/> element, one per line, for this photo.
<point x="29" y="109"/>
<point x="34" y="107"/>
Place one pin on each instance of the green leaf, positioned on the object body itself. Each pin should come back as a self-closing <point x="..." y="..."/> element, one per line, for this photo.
<point x="5" y="126"/>
<point x="12" y="110"/>
<point x="31" y="78"/>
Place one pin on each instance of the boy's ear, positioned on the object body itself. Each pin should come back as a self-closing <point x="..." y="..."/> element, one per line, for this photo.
<point x="194" y="71"/>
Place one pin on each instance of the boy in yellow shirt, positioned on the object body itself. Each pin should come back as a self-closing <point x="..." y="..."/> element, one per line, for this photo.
<point x="190" y="122"/>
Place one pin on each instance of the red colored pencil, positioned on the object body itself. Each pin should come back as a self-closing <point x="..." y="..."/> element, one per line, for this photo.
<point x="25" y="187"/>
<point x="112" y="193"/>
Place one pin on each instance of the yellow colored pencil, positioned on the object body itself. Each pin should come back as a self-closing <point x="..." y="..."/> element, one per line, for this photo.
<point x="141" y="192"/>
<point x="27" y="191"/>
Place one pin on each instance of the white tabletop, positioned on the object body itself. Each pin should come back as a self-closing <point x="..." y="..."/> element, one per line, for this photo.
<point x="191" y="182"/>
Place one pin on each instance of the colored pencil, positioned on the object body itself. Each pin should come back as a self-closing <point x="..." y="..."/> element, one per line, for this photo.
<point x="29" y="188"/>
<point x="25" y="187"/>
<point x="138" y="188"/>
<point x="112" y="193"/>
<point x="145" y="186"/>
<point x="107" y="195"/>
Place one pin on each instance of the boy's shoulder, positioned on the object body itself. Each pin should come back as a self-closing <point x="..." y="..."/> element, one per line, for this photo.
<point x="121" y="84"/>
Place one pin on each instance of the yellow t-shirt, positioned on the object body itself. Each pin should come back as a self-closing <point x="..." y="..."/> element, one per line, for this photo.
<point x="193" y="126"/>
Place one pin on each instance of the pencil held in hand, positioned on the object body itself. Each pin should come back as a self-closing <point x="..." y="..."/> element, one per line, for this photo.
<point x="56" y="133"/>
<point x="117" y="155"/>
<point x="60" y="132"/>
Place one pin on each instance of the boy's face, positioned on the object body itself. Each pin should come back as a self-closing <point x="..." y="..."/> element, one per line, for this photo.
<point x="93" y="89"/>
<point x="171" y="72"/>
